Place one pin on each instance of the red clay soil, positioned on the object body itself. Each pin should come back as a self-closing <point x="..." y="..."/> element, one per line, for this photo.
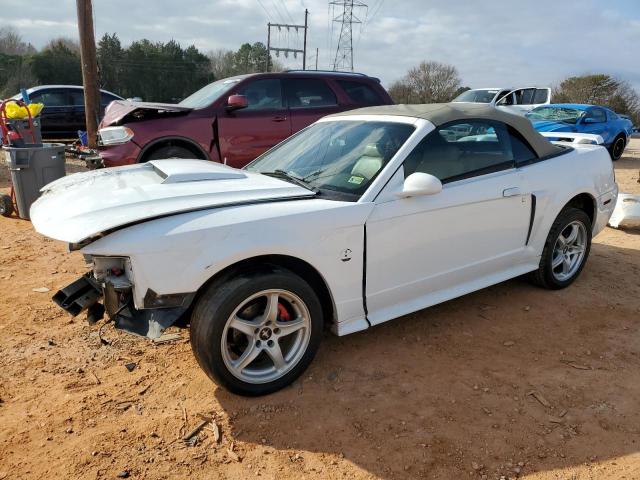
<point x="510" y="381"/>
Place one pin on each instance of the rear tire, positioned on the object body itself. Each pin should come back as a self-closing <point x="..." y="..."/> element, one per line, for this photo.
<point x="617" y="147"/>
<point x="565" y="251"/>
<point x="170" y="151"/>
<point x="255" y="333"/>
<point x="6" y="205"/>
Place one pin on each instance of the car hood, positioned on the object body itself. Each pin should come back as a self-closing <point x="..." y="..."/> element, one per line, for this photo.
<point x="85" y="205"/>
<point x="551" y="126"/>
<point x="121" y="111"/>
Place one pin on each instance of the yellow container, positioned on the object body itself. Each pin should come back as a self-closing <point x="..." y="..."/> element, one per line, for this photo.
<point x="16" y="112"/>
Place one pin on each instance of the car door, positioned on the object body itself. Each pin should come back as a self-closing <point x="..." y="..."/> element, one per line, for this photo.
<point x="428" y="249"/>
<point x="595" y="121"/>
<point x="78" y="120"/>
<point x="54" y="118"/>
<point x="309" y="99"/>
<point x="246" y="133"/>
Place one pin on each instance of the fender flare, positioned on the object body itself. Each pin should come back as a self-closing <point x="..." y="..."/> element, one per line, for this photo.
<point x="170" y="138"/>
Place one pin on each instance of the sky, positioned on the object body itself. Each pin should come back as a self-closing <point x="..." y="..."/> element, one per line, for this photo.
<point x="493" y="43"/>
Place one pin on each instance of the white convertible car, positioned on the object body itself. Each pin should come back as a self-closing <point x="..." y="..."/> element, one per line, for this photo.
<point x="360" y="218"/>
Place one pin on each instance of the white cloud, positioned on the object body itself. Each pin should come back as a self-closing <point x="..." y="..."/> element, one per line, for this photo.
<point x="496" y="43"/>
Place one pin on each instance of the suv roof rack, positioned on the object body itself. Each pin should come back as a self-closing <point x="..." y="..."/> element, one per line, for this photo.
<point x="327" y="71"/>
<point x="335" y="72"/>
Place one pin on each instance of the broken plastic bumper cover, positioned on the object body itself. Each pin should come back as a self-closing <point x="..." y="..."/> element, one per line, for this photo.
<point x="85" y="294"/>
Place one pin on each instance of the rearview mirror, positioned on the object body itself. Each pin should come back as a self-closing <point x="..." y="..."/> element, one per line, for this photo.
<point x="418" y="184"/>
<point x="236" y="102"/>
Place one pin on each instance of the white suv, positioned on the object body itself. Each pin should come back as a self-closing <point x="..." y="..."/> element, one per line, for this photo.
<point x="519" y="100"/>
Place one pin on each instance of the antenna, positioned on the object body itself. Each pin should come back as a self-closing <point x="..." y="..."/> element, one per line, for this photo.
<point x="347" y="17"/>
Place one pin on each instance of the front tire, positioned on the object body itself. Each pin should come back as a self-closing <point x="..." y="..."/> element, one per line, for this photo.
<point x="255" y="333"/>
<point x="565" y="251"/>
<point x="6" y="205"/>
<point x="617" y="147"/>
<point x="169" y="151"/>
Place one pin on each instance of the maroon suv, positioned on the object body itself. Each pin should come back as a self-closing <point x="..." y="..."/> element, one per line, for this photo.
<point x="232" y="120"/>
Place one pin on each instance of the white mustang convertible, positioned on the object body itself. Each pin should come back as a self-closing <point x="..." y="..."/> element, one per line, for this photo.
<point x="361" y="218"/>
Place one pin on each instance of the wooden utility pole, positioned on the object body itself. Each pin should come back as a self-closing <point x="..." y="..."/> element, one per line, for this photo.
<point x="287" y="50"/>
<point x="306" y="27"/>
<point x="89" y="70"/>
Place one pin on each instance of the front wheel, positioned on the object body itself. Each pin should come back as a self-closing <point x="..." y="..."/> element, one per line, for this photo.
<point x="6" y="205"/>
<point x="256" y="333"/>
<point x="169" y="151"/>
<point x="565" y="251"/>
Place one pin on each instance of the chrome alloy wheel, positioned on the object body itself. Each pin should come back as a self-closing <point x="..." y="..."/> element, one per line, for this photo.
<point x="266" y="336"/>
<point x="569" y="250"/>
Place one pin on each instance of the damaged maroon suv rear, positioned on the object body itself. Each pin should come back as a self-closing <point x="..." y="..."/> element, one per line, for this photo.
<point x="233" y="120"/>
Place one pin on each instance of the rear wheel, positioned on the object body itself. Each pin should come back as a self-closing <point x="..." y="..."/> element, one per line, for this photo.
<point x="6" y="205"/>
<point x="256" y="333"/>
<point x="617" y="147"/>
<point x="566" y="250"/>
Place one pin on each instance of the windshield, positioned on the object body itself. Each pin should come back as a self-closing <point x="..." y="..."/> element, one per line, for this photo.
<point x="477" y="96"/>
<point x="336" y="157"/>
<point x="209" y="93"/>
<point x="556" y="114"/>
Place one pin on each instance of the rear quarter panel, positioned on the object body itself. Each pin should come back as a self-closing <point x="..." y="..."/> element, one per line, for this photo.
<point x="554" y="182"/>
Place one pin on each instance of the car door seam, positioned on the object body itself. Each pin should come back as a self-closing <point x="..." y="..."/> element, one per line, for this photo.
<point x="364" y="276"/>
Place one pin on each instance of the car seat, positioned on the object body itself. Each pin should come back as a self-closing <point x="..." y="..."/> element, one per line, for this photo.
<point x="369" y="164"/>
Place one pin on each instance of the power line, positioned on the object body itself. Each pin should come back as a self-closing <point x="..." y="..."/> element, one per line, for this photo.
<point x="265" y="10"/>
<point x="284" y="5"/>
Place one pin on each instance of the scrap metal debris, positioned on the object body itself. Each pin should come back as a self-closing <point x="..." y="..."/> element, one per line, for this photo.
<point x="627" y="211"/>
<point x="167" y="338"/>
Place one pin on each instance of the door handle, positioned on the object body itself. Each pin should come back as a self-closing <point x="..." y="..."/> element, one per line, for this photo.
<point x="511" y="192"/>
<point x="279" y="119"/>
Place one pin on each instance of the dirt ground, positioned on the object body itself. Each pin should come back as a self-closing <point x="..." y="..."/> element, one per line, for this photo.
<point x="510" y="381"/>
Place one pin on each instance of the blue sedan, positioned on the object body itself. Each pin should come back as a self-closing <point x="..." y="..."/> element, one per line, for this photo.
<point x="570" y="117"/>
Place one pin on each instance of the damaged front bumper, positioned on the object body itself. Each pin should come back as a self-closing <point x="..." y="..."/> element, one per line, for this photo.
<point x="113" y="294"/>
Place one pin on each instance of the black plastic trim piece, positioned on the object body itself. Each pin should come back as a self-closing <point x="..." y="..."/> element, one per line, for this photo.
<point x="532" y="218"/>
<point x="364" y="276"/>
<point x="172" y="300"/>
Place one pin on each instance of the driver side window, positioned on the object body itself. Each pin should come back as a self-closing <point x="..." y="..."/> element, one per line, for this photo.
<point x="462" y="149"/>
<point x="262" y="94"/>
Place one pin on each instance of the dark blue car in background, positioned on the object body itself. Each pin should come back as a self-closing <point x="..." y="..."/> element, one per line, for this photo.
<point x="578" y="118"/>
<point x="63" y="113"/>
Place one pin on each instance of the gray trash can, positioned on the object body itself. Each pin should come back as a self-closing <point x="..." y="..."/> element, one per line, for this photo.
<point x="32" y="167"/>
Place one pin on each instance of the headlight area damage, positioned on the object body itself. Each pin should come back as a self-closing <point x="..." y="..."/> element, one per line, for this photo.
<point x="111" y="280"/>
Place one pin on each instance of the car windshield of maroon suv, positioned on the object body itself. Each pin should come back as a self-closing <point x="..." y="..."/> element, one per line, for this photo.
<point x="233" y="120"/>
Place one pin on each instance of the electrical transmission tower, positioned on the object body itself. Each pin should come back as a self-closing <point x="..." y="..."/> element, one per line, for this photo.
<point x="347" y="17"/>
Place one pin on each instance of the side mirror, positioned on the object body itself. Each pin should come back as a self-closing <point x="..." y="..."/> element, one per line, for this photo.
<point x="236" y="102"/>
<point x="418" y="184"/>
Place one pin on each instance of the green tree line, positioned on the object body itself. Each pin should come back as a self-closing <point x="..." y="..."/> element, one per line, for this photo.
<point x="154" y="71"/>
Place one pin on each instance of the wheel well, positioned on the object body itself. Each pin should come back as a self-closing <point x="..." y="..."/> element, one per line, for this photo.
<point x="171" y="142"/>
<point x="586" y="203"/>
<point x="295" y="265"/>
